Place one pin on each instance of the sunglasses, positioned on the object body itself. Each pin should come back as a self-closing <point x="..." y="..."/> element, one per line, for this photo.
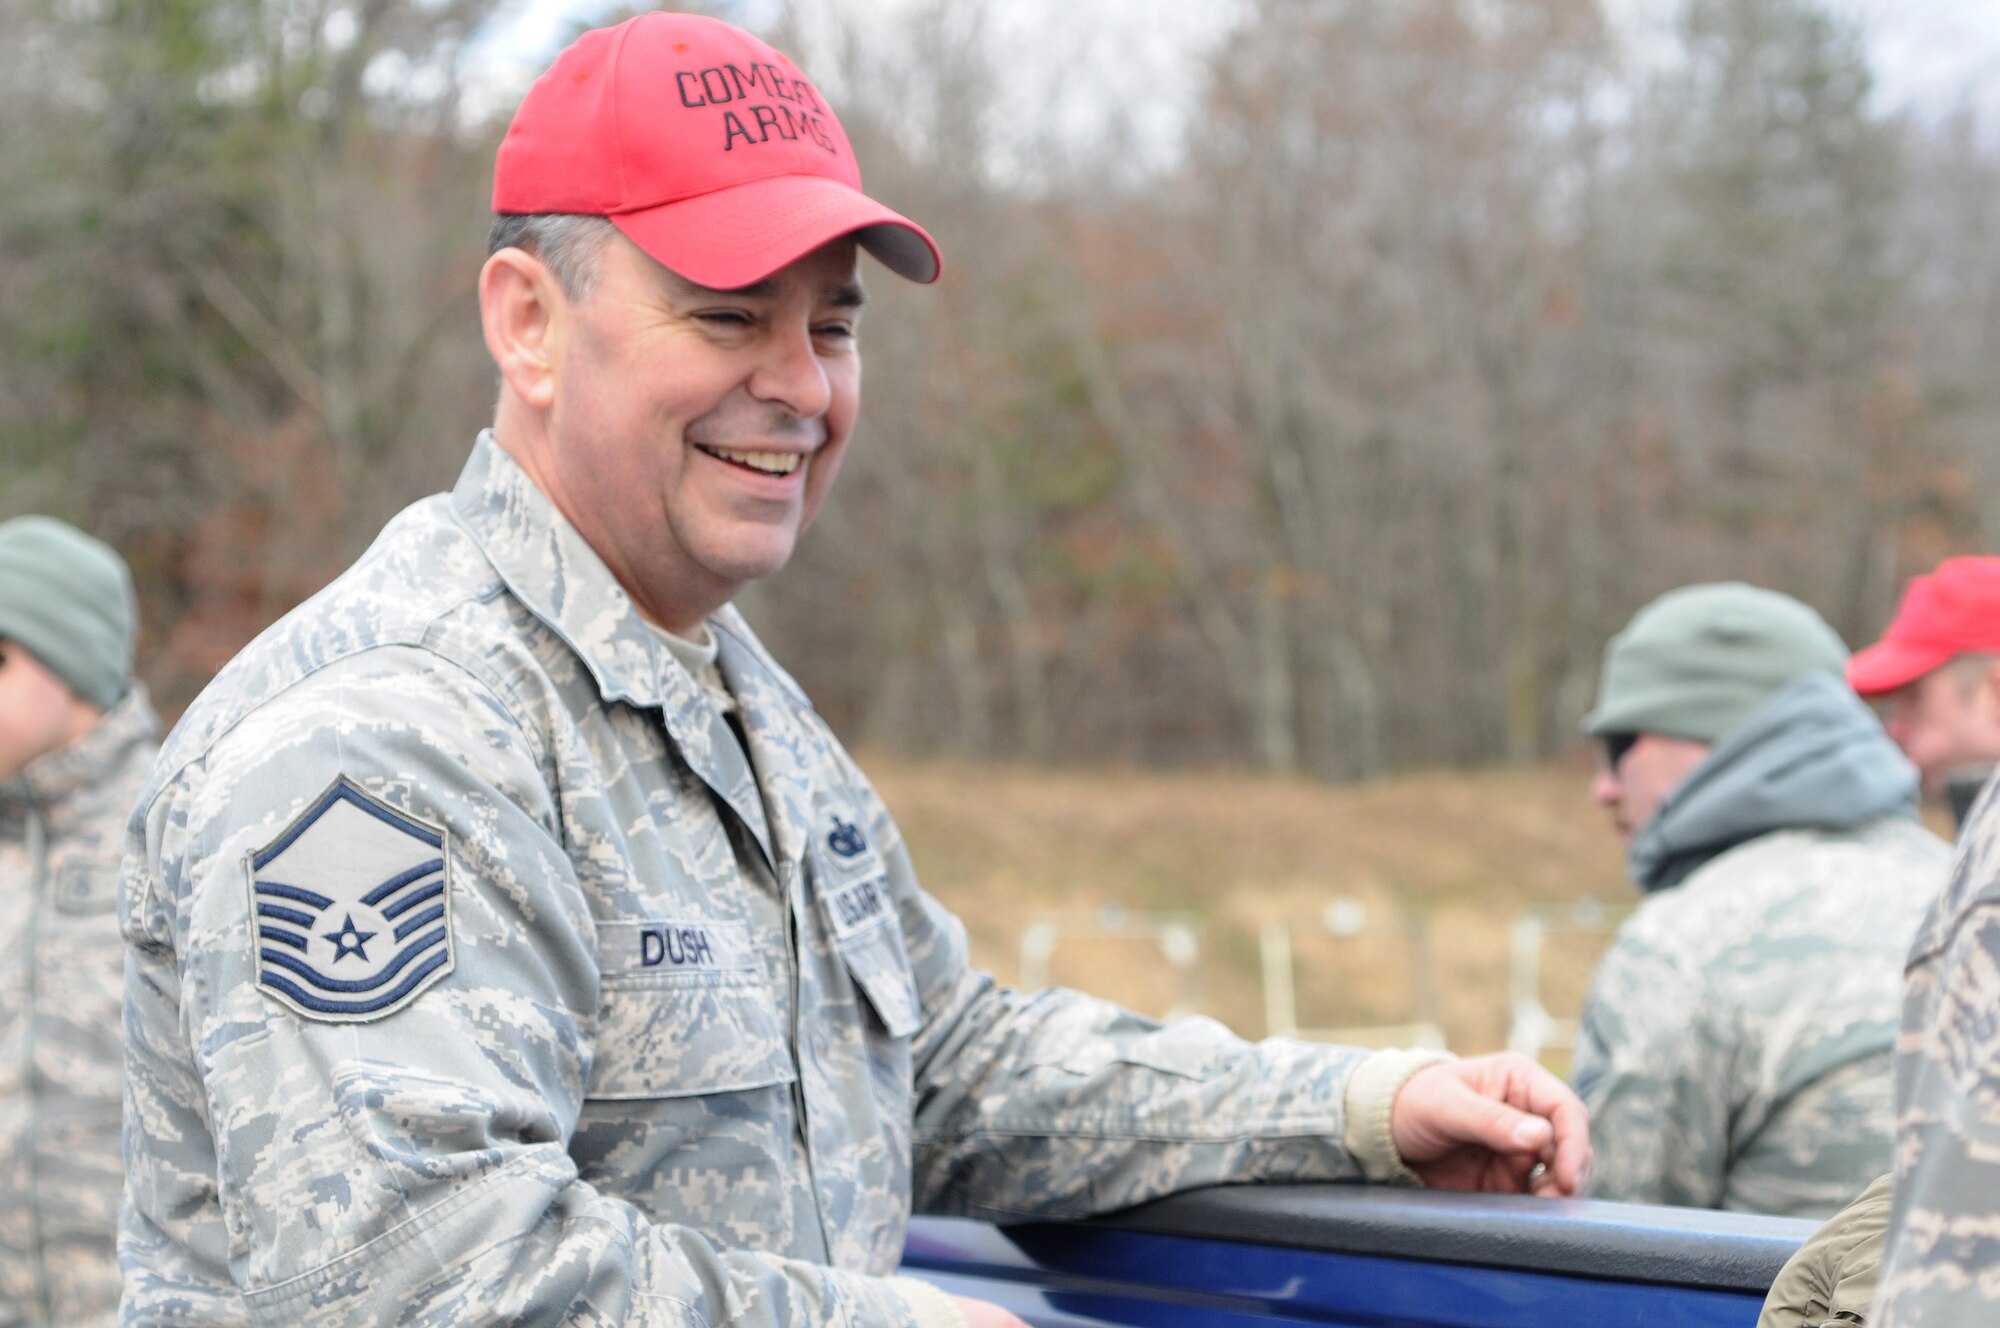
<point x="1616" y="745"/>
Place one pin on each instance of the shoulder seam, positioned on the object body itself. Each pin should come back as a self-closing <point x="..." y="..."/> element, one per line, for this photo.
<point x="421" y="645"/>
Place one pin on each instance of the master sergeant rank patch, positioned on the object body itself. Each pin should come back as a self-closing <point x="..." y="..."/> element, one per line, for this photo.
<point x="353" y="908"/>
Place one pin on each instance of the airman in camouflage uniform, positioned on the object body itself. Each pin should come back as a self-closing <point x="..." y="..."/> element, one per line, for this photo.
<point x="1942" y="1258"/>
<point x="512" y="943"/>
<point x="76" y="742"/>
<point x="1936" y="674"/>
<point x="1735" y="1047"/>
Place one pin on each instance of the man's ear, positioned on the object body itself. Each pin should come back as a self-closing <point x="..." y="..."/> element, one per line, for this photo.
<point x="521" y="310"/>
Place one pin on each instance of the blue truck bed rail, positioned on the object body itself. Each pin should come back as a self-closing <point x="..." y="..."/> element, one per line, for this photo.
<point x="1368" y="1257"/>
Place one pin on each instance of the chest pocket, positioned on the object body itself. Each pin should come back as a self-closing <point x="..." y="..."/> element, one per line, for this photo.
<point x="858" y="909"/>
<point x="85" y="888"/>
<point x="700" y="1018"/>
<point x="687" y="1040"/>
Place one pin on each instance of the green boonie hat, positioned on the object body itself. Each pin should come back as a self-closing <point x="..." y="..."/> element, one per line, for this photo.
<point x="1696" y="661"/>
<point x="67" y="600"/>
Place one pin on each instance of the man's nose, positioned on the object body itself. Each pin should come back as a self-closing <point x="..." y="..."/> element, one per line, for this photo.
<point x="791" y="375"/>
<point x="1605" y="790"/>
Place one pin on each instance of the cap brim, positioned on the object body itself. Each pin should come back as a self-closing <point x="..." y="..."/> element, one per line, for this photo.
<point x="1887" y="665"/>
<point x="734" y="237"/>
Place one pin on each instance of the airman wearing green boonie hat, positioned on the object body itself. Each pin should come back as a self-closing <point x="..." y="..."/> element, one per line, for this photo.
<point x="76" y="743"/>
<point x="1735" y="1047"/>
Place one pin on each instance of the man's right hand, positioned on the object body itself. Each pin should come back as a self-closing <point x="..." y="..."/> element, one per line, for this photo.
<point x="1485" y="1123"/>
<point x="981" y="1314"/>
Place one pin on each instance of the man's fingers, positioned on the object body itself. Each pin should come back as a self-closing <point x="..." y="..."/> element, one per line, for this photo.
<point x="1506" y="1106"/>
<point x="1499" y="1127"/>
<point x="1571" y="1167"/>
<point x="1560" y="1132"/>
<point x="1552" y="1101"/>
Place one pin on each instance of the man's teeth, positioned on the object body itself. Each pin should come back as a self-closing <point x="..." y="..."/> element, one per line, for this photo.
<point x="771" y="463"/>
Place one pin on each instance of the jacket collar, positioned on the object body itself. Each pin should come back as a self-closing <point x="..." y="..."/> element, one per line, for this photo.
<point x="555" y="574"/>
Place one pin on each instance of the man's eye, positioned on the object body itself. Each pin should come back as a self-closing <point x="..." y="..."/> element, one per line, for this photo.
<point x="725" y="318"/>
<point x="835" y="331"/>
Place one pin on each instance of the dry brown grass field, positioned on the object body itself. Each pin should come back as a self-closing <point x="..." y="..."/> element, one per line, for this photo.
<point x="1464" y="854"/>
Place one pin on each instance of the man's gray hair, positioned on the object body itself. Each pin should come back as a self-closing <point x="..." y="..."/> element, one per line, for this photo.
<point x="570" y="243"/>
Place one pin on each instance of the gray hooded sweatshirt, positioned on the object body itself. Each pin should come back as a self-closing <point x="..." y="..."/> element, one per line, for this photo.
<point x="1812" y="757"/>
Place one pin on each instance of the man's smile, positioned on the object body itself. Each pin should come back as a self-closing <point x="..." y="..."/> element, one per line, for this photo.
<point x="764" y="463"/>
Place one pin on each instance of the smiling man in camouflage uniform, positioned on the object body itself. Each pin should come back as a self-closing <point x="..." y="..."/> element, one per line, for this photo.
<point x="514" y="944"/>
<point x="76" y="741"/>
<point x="1735" y="1047"/>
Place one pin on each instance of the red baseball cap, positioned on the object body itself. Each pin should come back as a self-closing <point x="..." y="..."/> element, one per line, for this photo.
<point x="1952" y="611"/>
<point x="707" y="148"/>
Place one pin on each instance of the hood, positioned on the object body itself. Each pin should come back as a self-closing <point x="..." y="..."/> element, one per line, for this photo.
<point x="1812" y="757"/>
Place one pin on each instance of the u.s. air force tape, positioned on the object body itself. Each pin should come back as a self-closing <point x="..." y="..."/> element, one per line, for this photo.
<point x="663" y="945"/>
<point x="859" y="906"/>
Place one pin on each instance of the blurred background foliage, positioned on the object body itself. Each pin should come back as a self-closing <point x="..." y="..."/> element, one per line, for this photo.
<point x="1314" y="384"/>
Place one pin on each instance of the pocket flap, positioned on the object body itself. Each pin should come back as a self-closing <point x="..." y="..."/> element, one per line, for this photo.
<point x="1089" y="1037"/>
<point x="882" y="970"/>
<point x="685" y="1040"/>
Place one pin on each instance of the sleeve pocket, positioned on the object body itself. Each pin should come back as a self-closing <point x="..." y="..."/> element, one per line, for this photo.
<point x="1089" y="1037"/>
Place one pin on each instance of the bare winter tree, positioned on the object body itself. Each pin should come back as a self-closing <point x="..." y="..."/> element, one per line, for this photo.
<point x="1314" y="386"/>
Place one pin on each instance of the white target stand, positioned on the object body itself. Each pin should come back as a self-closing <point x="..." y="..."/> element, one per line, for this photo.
<point x="1349" y="919"/>
<point x="1532" y="1028"/>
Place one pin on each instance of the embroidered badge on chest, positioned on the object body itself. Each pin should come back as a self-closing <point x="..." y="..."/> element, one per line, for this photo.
<point x="854" y="891"/>
<point x="352" y="905"/>
<point x="846" y="839"/>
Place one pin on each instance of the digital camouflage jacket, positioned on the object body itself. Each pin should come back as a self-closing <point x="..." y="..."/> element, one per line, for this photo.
<point x="62" y="968"/>
<point x="478" y="978"/>
<point x="1941" y="1263"/>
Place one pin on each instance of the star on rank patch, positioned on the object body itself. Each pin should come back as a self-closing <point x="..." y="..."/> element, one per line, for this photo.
<point x="353" y="908"/>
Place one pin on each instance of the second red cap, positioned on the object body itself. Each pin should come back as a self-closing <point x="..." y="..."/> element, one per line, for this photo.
<point x="1954" y="610"/>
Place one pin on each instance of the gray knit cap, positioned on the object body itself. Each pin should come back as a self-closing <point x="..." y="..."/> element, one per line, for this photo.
<point x="67" y="600"/>
<point x="1696" y="661"/>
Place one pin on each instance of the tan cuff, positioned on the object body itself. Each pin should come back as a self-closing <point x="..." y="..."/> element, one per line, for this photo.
<point x="932" y="1307"/>
<point x="1371" y="1093"/>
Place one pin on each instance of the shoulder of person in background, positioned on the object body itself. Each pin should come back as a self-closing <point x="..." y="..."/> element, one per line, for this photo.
<point x="1831" y="1279"/>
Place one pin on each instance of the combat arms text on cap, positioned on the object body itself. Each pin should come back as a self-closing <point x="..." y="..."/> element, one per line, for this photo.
<point x="706" y="147"/>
